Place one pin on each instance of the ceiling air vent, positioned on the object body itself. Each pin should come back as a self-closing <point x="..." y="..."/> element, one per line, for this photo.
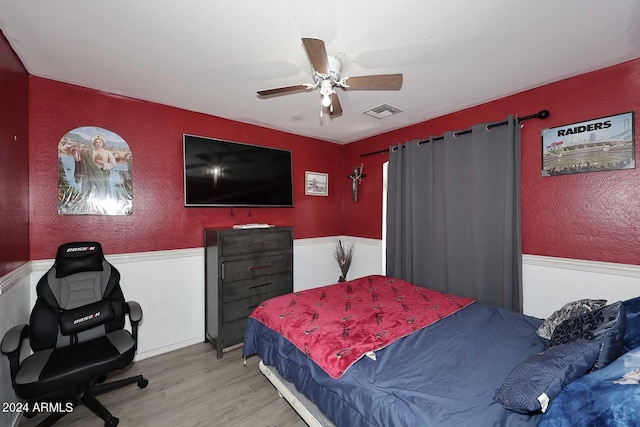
<point x="382" y="111"/>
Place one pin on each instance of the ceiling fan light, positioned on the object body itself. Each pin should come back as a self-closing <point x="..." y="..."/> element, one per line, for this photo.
<point x="326" y="100"/>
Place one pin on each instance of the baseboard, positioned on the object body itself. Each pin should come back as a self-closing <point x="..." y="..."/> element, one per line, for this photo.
<point x="166" y="349"/>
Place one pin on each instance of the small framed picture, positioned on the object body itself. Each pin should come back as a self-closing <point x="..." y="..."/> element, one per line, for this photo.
<point x="316" y="184"/>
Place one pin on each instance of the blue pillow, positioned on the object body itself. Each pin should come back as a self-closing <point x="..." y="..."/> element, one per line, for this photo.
<point x="632" y="335"/>
<point x="532" y="384"/>
<point x="599" y="398"/>
<point x="607" y="324"/>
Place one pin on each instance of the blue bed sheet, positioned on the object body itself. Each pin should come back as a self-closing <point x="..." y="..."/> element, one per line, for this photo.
<point x="443" y="375"/>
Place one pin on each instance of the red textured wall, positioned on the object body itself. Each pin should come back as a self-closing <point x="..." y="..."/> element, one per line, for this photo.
<point x="14" y="161"/>
<point x="154" y="133"/>
<point x="591" y="216"/>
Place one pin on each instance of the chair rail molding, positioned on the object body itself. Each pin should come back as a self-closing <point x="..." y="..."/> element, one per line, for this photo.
<point x="583" y="265"/>
<point x="15" y="276"/>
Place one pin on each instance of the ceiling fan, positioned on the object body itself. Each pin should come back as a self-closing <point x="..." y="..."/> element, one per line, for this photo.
<point x="326" y="76"/>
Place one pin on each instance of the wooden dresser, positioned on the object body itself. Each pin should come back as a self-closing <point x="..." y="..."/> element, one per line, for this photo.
<point x="243" y="267"/>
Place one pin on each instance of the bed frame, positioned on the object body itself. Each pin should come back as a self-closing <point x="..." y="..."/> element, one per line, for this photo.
<point x="307" y="410"/>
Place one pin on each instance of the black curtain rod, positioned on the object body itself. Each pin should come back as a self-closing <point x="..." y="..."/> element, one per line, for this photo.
<point x="543" y="114"/>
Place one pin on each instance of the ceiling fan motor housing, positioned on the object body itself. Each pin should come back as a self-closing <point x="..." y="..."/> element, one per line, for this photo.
<point x="335" y="66"/>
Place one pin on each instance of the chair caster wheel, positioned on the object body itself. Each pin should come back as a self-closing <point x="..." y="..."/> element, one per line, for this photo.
<point x="111" y="422"/>
<point x="101" y="379"/>
<point x="143" y="383"/>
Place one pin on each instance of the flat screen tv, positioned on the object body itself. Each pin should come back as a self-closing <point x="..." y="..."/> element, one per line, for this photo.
<point x="227" y="174"/>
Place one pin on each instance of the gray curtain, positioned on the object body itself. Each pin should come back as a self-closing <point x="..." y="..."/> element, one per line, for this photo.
<point x="453" y="214"/>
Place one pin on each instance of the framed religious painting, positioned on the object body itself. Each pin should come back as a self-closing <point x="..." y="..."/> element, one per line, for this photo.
<point x="94" y="173"/>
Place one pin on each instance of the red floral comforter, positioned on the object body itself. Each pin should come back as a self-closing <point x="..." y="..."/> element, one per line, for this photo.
<point x="338" y="324"/>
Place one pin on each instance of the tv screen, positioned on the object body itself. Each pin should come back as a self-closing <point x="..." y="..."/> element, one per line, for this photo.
<point x="226" y="173"/>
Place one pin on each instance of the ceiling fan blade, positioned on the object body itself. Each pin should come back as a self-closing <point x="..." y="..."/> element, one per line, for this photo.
<point x="376" y="82"/>
<point x="282" y="90"/>
<point x="335" y="103"/>
<point x="317" y="54"/>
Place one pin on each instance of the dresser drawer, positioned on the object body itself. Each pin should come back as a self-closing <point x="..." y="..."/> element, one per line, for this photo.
<point x="242" y="244"/>
<point x="232" y="291"/>
<point x="233" y="332"/>
<point x="255" y="243"/>
<point x="278" y="240"/>
<point x="245" y="269"/>
<point x="280" y="283"/>
<point x="280" y="263"/>
<point x="242" y="308"/>
<point x="255" y="267"/>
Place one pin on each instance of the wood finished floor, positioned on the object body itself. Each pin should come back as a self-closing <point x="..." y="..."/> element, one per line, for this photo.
<point x="190" y="387"/>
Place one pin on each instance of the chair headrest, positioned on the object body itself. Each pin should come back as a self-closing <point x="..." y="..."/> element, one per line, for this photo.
<point x="76" y="257"/>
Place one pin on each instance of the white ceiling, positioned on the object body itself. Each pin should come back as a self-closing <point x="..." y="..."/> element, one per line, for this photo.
<point x="212" y="56"/>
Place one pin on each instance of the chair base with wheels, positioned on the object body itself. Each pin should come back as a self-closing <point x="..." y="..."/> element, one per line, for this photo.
<point x="87" y="397"/>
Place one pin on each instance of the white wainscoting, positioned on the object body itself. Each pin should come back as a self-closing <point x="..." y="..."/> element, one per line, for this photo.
<point x="169" y="285"/>
<point x="14" y="310"/>
<point x="549" y="282"/>
<point x="314" y="264"/>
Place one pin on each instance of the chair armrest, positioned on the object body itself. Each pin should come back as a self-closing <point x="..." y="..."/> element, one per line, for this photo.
<point x="11" y="346"/>
<point x="135" y="316"/>
<point x="13" y="339"/>
<point x="135" y="311"/>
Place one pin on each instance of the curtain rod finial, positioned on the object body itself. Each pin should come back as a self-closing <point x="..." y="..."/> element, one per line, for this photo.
<point x="543" y="114"/>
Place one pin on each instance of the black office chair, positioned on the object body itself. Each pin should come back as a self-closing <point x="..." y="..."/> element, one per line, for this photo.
<point x="77" y="335"/>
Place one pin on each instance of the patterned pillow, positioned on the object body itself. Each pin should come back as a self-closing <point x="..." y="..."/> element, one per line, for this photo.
<point x="569" y="309"/>
<point x="532" y="384"/>
<point x="607" y="324"/>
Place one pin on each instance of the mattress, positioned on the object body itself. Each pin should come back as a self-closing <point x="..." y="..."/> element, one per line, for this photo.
<point x="445" y="374"/>
<point x="307" y="410"/>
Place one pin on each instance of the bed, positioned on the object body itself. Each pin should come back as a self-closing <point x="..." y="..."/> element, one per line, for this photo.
<point x="439" y="370"/>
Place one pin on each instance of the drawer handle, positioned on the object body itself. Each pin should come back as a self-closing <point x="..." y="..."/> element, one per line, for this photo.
<point x="253" y="306"/>
<point x="259" y="286"/>
<point x="259" y="267"/>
